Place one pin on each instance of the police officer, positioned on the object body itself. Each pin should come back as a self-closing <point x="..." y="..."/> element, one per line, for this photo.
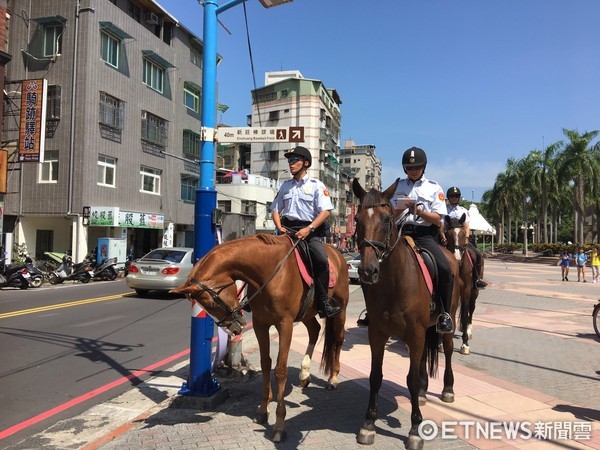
<point x="426" y="208"/>
<point x="455" y="211"/>
<point x="302" y="205"/>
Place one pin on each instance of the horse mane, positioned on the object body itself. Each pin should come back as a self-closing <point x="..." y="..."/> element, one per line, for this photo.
<point x="373" y="197"/>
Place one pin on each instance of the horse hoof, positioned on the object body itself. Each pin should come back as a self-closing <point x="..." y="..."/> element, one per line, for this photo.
<point x="366" y="437"/>
<point x="261" y="418"/>
<point x="414" y="443"/>
<point x="305" y="382"/>
<point x="278" y="436"/>
<point x="448" y="397"/>
<point x="422" y="400"/>
<point x="465" y="350"/>
<point x="331" y="386"/>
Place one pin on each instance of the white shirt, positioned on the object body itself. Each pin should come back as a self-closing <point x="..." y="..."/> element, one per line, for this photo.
<point x="456" y="212"/>
<point x="302" y="200"/>
<point x="425" y="192"/>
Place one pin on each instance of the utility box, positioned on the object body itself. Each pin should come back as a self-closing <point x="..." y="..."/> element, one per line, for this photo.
<point x="112" y="248"/>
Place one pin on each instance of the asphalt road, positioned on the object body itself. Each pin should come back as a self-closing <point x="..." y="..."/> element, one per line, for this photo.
<point x="60" y="343"/>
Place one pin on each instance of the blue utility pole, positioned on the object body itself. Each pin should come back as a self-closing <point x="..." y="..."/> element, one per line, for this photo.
<point x="200" y="381"/>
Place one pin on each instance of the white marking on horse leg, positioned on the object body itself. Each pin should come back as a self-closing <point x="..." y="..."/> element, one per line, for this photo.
<point x="305" y="371"/>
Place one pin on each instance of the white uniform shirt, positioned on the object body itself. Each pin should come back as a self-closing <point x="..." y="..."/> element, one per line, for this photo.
<point x="425" y="192"/>
<point x="455" y="212"/>
<point x="302" y="200"/>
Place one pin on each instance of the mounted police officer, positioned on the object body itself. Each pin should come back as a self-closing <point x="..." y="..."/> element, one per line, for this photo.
<point x="455" y="211"/>
<point x="302" y="205"/>
<point x="425" y="214"/>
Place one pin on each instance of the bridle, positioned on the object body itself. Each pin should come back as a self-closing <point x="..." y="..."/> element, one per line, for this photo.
<point x="454" y="247"/>
<point x="381" y="249"/>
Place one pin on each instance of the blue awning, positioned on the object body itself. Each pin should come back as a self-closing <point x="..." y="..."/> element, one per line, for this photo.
<point x="192" y="85"/>
<point x="113" y="29"/>
<point x="155" y="57"/>
<point x="51" y="20"/>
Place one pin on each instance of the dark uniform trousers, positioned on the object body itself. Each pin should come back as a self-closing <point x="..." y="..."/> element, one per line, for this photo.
<point x="477" y="253"/>
<point x="426" y="237"/>
<point x="318" y="256"/>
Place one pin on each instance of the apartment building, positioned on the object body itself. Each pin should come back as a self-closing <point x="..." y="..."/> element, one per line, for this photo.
<point x="288" y="99"/>
<point x="124" y="87"/>
<point x="361" y="162"/>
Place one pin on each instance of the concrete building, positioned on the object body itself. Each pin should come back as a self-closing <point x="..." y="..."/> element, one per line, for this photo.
<point x="289" y="99"/>
<point x="361" y="162"/>
<point x="124" y="91"/>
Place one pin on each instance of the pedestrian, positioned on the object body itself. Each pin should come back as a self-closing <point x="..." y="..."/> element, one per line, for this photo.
<point x="595" y="263"/>
<point x="565" y="260"/>
<point x="426" y="205"/>
<point x="580" y="260"/>
<point x="455" y="211"/>
<point x="301" y="207"/>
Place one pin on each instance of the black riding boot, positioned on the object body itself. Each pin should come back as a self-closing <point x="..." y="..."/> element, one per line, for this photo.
<point x="478" y="283"/>
<point x="444" y="321"/>
<point x="326" y="309"/>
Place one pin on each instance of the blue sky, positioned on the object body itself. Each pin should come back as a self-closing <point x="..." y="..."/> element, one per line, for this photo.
<point x="472" y="82"/>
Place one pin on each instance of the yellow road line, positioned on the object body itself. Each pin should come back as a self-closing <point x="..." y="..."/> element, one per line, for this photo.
<point x="62" y="305"/>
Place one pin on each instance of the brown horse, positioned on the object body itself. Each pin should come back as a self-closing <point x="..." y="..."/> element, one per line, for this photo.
<point x="276" y="292"/>
<point x="399" y="304"/>
<point x="457" y="243"/>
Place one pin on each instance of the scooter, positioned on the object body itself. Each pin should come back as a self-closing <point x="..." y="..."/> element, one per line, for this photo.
<point x="36" y="276"/>
<point x="106" y="270"/>
<point x="14" y="275"/>
<point x="82" y="272"/>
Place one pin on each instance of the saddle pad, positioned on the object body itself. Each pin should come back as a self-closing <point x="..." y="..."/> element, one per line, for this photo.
<point x="304" y="270"/>
<point x="424" y="270"/>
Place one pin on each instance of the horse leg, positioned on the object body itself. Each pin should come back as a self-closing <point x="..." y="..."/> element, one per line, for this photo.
<point x="465" y="317"/>
<point x="448" y="391"/>
<point x="314" y="327"/>
<point x="367" y="432"/>
<point x="334" y="340"/>
<point x="417" y="382"/>
<point x="285" y="330"/>
<point x="262" y="336"/>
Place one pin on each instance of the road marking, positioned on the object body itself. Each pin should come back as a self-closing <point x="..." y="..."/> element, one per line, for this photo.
<point x="91" y="394"/>
<point x="63" y="305"/>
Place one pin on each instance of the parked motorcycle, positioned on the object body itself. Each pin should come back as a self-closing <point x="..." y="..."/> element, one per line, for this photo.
<point x="36" y="276"/>
<point x="82" y="272"/>
<point x="14" y="275"/>
<point x="107" y="270"/>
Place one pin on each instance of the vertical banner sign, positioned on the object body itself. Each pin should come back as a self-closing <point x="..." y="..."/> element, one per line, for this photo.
<point x="32" y="131"/>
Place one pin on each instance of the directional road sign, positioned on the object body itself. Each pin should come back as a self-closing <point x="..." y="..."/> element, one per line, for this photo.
<point x="259" y="134"/>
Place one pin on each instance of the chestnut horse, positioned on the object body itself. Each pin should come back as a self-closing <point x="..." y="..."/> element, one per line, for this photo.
<point x="456" y="238"/>
<point x="398" y="304"/>
<point x="276" y="292"/>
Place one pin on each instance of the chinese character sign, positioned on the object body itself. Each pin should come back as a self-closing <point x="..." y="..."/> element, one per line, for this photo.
<point x="33" y="120"/>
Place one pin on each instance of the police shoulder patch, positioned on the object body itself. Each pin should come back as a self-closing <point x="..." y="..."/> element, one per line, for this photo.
<point x="325" y="192"/>
<point x="441" y="196"/>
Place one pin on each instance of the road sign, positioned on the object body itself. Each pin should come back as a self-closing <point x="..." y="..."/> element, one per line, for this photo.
<point x="259" y="134"/>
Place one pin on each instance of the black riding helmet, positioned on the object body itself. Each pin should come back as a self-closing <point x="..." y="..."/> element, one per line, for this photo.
<point x="300" y="151"/>
<point x="453" y="191"/>
<point x="414" y="157"/>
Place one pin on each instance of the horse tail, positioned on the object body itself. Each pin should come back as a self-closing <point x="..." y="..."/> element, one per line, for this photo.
<point x="332" y="346"/>
<point x="432" y="342"/>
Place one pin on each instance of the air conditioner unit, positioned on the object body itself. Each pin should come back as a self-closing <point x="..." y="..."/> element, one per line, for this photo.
<point x="151" y="18"/>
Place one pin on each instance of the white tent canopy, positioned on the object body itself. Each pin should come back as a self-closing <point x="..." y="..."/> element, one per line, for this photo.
<point x="478" y="223"/>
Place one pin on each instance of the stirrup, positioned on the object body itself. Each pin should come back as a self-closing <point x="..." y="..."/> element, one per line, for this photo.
<point x="444" y="317"/>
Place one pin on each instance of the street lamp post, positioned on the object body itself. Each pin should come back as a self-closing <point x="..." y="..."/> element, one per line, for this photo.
<point x="200" y="381"/>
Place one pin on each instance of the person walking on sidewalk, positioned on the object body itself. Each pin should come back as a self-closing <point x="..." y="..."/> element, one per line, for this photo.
<point x="595" y="263"/>
<point x="580" y="260"/>
<point x="302" y="205"/>
<point x="565" y="260"/>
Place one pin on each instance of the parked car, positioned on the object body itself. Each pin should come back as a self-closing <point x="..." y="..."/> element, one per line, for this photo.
<point x="160" y="270"/>
<point x="353" y="268"/>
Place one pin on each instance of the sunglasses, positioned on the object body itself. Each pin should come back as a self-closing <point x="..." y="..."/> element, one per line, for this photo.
<point x="294" y="160"/>
<point x="454" y="196"/>
<point x="415" y="168"/>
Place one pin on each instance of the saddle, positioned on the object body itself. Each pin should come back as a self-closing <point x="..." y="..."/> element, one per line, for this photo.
<point x="426" y="263"/>
<point x="305" y="266"/>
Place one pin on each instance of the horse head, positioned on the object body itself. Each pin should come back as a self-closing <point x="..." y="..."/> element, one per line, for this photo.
<point x="375" y="229"/>
<point x="456" y="235"/>
<point x="217" y="295"/>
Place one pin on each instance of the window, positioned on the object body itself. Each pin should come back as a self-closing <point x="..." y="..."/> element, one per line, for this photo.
<point x="224" y="205"/>
<point x="112" y="111"/>
<point x="134" y="11"/>
<point x="154" y="129"/>
<point x="273" y="115"/>
<point x="153" y="75"/>
<point x="106" y="171"/>
<point x="53" y="104"/>
<point x="188" y="188"/>
<point x="249" y="207"/>
<point x="191" y="144"/>
<point x="48" y="170"/>
<point x="53" y="40"/>
<point x="268" y="213"/>
<point x="150" y="180"/>
<point x="196" y="56"/>
<point x="109" y="49"/>
<point x="191" y="98"/>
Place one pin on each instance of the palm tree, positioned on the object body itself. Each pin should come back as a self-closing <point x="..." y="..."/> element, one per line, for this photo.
<point x="548" y="178"/>
<point x="578" y="162"/>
